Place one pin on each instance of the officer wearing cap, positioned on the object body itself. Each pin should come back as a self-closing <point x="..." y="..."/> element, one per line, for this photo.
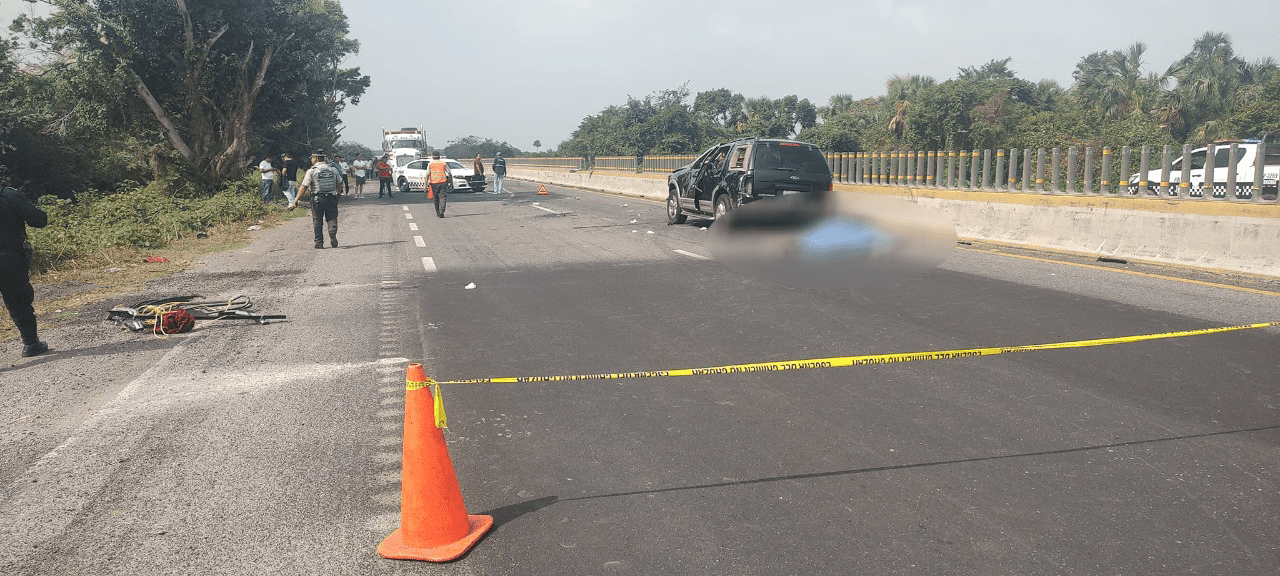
<point x="324" y="183"/>
<point x="16" y="213"/>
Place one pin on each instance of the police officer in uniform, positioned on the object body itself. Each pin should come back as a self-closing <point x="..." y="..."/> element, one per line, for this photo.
<point x="16" y="213"/>
<point x="323" y="183"/>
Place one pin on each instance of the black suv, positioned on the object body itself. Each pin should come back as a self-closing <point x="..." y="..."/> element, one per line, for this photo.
<point x="738" y="172"/>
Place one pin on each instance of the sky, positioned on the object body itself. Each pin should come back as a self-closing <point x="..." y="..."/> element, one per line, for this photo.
<point x="520" y="71"/>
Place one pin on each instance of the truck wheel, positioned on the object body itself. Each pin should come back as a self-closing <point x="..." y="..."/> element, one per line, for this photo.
<point x="722" y="206"/>
<point x="674" y="215"/>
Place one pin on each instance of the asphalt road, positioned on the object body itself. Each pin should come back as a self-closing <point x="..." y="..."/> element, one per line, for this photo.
<point x="244" y="449"/>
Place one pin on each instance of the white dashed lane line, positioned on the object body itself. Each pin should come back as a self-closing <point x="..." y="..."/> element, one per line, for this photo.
<point x="419" y="241"/>
<point x="691" y="255"/>
<point x="429" y="264"/>
<point x="413" y="226"/>
<point x="408" y="216"/>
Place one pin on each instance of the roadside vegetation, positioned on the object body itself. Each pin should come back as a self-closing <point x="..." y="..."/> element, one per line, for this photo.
<point x="1115" y="99"/>
<point x="139" y="123"/>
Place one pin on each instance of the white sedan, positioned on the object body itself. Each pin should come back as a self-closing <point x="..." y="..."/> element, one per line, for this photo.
<point x="414" y="175"/>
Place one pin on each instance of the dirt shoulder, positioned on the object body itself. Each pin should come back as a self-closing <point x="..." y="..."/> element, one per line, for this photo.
<point x="84" y="290"/>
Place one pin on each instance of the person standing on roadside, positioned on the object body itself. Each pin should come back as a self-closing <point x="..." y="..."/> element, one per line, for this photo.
<point x="499" y="172"/>
<point x="16" y="213"/>
<point x="324" y="183"/>
<point x="268" y="172"/>
<point x="341" y="164"/>
<point x="438" y="179"/>
<point x="384" y="176"/>
<point x="478" y="168"/>
<point x="289" y="180"/>
<point x="361" y="169"/>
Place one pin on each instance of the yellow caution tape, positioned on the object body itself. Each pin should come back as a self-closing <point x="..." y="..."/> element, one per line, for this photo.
<point x="848" y="360"/>
<point x="442" y="421"/>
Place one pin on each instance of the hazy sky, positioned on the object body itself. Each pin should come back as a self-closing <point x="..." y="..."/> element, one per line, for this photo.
<point x="525" y="70"/>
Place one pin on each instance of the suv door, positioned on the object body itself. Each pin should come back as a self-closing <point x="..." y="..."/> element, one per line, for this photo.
<point x="707" y="176"/>
<point x="738" y="166"/>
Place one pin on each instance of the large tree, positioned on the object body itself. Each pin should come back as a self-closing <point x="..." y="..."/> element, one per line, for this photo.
<point x="1213" y="82"/>
<point x="220" y="78"/>
<point x="1115" y="85"/>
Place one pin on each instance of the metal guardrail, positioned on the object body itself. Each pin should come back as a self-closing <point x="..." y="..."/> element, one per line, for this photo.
<point x="1096" y="172"/>
<point x="1087" y="171"/>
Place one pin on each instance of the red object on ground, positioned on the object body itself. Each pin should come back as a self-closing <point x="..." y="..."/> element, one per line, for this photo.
<point x="156" y="259"/>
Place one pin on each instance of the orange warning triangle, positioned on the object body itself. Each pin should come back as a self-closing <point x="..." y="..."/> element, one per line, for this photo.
<point x="542" y="190"/>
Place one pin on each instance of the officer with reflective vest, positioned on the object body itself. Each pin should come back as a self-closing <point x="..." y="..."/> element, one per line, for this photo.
<point x="324" y="183"/>
<point x="16" y="213"/>
<point x="438" y="178"/>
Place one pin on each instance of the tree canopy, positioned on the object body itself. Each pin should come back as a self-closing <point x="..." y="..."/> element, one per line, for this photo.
<point x="665" y="123"/>
<point x="1114" y="99"/>
<point x="205" y="87"/>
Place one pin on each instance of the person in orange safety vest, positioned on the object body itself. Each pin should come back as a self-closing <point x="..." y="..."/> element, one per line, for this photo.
<point x="438" y="178"/>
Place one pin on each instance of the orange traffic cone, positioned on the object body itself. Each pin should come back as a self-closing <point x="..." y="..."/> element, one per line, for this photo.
<point x="434" y="524"/>
<point x="542" y="190"/>
<point x="431" y="194"/>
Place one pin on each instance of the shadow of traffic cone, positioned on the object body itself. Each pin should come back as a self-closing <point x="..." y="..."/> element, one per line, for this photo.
<point x="434" y="524"/>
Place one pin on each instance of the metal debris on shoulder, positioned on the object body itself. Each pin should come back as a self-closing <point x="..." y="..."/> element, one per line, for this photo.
<point x="144" y="315"/>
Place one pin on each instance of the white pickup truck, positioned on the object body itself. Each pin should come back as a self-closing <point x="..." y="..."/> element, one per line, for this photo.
<point x="1246" y="159"/>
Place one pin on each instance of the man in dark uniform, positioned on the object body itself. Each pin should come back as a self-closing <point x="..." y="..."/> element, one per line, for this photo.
<point x="16" y="213"/>
<point x="324" y="183"/>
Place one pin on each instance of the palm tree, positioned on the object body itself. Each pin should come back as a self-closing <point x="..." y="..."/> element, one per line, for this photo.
<point x="898" y="123"/>
<point x="1213" y="81"/>
<point x="900" y="91"/>
<point x="1113" y="83"/>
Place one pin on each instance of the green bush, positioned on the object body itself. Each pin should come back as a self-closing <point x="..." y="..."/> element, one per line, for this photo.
<point x="148" y="216"/>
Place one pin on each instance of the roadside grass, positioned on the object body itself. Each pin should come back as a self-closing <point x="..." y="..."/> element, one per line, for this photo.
<point x="63" y="292"/>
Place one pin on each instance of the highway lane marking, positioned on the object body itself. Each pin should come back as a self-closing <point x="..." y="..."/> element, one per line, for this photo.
<point x="545" y="209"/>
<point x="408" y="216"/>
<point x="405" y="208"/>
<point x="419" y="241"/>
<point x="429" y="264"/>
<point x="1130" y="272"/>
<point x="413" y="226"/>
<point x="691" y="255"/>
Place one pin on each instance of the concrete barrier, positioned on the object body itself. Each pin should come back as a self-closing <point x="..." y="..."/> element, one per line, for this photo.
<point x="1215" y="235"/>
<point x="651" y="185"/>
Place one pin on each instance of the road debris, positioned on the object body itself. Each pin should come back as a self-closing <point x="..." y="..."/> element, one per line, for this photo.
<point x="176" y="315"/>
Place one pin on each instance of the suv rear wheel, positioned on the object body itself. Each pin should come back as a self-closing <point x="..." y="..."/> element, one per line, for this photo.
<point x="722" y="206"/>
<point x="674" y="215"/>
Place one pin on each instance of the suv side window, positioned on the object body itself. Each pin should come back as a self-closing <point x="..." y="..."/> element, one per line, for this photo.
<point x="716" y="162"/>
<point x="738" y="160"/>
